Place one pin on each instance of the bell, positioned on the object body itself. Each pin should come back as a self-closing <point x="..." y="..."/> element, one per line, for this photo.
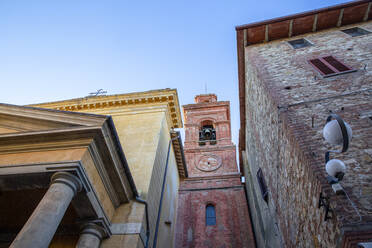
<point x="207" y="133"/>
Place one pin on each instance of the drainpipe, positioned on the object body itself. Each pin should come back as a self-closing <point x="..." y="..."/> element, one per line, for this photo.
<point x="162" y="194"/>
<point x="147" y="220"/>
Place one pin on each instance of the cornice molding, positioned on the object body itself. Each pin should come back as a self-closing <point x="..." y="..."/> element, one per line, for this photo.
<point x="139" y="99"/>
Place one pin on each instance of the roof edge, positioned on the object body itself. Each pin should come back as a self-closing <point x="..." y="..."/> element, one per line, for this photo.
<point x="301" y="14"/>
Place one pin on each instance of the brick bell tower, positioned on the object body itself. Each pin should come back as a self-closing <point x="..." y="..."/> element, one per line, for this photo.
<point x="212" y="207"/>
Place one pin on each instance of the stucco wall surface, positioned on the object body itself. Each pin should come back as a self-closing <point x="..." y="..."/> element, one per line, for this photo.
<point x="169" y="204"/>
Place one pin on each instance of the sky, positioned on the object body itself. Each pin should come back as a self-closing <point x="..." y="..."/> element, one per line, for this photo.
<point x="56" y="50"/>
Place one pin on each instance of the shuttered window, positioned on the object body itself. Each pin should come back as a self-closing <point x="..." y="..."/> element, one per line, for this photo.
<point x="329" y="66"/>
<point x="210" y="214"/>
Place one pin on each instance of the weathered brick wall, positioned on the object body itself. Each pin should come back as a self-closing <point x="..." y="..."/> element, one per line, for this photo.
<point x="232" y="227"/>
<point x="287" y="103"/>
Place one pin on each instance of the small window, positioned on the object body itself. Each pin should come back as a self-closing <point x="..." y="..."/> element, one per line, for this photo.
<point x="329" y="66"/>
<point x="355" y="31"/>
<point x="262" y="183"/>
<point x="210" y="215"/>
<point x="299" y="43"/>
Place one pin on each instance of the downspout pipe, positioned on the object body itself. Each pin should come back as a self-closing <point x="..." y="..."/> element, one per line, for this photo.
<point x="138" y="199"/>
<point x="162" y="194"/>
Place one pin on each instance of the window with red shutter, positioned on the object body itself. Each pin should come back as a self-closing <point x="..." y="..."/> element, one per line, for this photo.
<point x="329" y="66"/>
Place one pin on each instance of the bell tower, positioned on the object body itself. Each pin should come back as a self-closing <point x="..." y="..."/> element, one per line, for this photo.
<point x="208" y="143"/>
<point x="212" y="207"/>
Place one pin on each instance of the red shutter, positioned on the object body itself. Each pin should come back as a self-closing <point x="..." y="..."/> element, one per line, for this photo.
<point x="322" y="68"/>
<point x="329" y="66"/>
<point x="336" y="64"/>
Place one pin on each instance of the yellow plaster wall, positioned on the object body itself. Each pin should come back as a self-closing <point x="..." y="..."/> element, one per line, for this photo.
<point x="138" y="128"/>
<point x="97" y="184"/>
<point x="169" y="205"/>
<point x="148" y="175"/>
<point x="139" y="136"/>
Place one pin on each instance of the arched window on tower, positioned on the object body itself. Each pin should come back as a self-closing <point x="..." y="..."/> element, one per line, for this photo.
<point x="207" y="133"/>
<point x="210" y="215"/>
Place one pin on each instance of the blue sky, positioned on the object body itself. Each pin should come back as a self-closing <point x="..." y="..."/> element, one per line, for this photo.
<point x="55" y="50"/>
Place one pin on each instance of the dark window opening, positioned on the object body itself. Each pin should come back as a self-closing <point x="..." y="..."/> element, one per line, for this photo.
<point x="207" y="133"/>
<point x="262" y="183"/>
<point x="355" y="31"/>
<point x="210" y="215"/>
<point x="329" y="66"/>
<point x="300" y="43"/>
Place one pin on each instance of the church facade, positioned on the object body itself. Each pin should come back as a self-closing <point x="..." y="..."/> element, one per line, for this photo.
<point x="91" y="172"/>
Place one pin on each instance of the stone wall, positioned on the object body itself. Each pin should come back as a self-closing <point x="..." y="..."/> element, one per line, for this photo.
<point x="287" y="103"/>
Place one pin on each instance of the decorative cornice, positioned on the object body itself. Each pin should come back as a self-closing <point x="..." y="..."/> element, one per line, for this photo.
<point x="153" y="97"/>
<point x="178" y="151"/>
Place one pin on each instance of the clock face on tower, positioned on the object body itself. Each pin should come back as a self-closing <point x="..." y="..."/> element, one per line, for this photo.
<point x="209" y="162"/>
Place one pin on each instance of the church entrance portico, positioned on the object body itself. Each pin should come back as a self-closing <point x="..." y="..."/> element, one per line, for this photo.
<point x="67" y="184"/>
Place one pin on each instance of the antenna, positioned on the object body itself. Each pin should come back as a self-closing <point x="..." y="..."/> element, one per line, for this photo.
<point x="205" y="88"/>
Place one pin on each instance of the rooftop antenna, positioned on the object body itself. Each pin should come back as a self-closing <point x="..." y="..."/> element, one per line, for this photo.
<point x="98" y="92"/>
<point x="205" y="88"/>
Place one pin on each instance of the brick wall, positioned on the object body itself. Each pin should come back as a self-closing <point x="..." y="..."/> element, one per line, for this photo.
<point x="287" y="103"/>
<point x="232" y="228"/>
<point x="217" y="184"/>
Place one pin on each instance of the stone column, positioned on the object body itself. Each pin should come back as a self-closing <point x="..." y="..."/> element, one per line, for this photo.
<point x="90" y="236"/>
<point x="41" y="226"/>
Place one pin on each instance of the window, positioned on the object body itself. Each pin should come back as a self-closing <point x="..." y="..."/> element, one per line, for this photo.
<point x="262" y="183"/>
<point x="210" y="215"/>
<point x="355" y="31"/>
<point x="329" y="66"/>
<point x="299" y="43"/>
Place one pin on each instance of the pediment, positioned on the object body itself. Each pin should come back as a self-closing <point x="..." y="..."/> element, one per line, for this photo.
<point x="15" y="119"/>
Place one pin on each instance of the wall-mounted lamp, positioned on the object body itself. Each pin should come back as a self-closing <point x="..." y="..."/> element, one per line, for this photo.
<point x="336" y="132"/>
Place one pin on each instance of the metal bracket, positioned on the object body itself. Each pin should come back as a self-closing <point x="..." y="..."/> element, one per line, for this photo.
<point x="324" y="202"/>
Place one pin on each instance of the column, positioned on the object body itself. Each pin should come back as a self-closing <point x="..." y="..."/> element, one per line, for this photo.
<point x="41" y="226"/>
<point x="90" y="236"/>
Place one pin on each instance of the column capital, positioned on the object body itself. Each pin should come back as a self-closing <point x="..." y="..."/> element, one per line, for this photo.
<point x="94" y="229"/>
<point x="68" y="179"/>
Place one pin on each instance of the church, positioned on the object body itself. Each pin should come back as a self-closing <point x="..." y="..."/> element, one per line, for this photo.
<point x="111" y="171"/>
<point x="91" y="172"/>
